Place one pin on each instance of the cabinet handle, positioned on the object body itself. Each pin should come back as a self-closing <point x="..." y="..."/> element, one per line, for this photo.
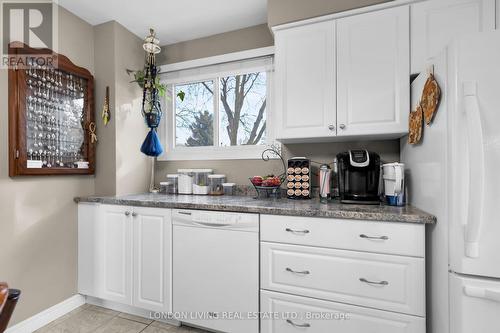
<point x="185" y="213"/>
<point x="127" y="213"/>
<point x="374" y="237"/>
<point x="298" y="325"/>
<point x="382" y="283"/>
<point x="297" y="272"/>
<point x="134" y="214"/>
<point x="331" y="127"/>
<point x="342" y="126"/>
<point x="297" y="231"/>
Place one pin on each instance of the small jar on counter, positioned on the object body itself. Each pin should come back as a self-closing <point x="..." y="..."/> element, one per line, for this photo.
<point x="215" y="182"/>
<point x="228" y="188"/>
<point x="201" y="184"/>
<point x="163" y="187"/>
<point x="172" y="183"/>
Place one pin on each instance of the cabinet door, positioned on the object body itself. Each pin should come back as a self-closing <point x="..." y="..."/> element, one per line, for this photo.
<point x="435" y="23"/>
<point x="115" y="254"/>
<point x="88" y="222"/>
<point x="152" y="258"/>
<point x="373" y="73"/>
<point x="305" y="81"/>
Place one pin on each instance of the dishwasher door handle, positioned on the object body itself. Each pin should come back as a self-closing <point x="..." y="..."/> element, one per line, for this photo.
<point x="208" y="224"/>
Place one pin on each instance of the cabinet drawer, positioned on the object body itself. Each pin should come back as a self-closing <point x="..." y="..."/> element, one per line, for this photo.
<point x="331" y="317"/>
<point x="381" y="237"/>
<point x="387" y="282"/>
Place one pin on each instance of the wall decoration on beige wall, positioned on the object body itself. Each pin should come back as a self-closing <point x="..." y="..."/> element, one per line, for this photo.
<point x="106" y="112"/>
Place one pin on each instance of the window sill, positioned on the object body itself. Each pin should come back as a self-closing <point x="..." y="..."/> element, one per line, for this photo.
<point x="214" y="153"/>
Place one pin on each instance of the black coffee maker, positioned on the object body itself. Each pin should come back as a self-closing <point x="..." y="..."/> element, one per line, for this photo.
<point x="358" y="177"/>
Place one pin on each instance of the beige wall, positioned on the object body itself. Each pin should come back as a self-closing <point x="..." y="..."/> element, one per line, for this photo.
<point x="232" y="41"/>
<point x="38" y="223"/>
<point x="121" y="167"/>
<point x="132" y="166"/>
<point x="284" y="11"/>
<point x="238" y="171"/>
<point x="104" y="46"/>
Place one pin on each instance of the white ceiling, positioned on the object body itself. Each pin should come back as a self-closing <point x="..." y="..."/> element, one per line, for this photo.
<point x="173" y="20"/>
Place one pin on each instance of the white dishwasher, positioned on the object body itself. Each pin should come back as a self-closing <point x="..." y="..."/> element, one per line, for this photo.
<point x="216" y="269"/>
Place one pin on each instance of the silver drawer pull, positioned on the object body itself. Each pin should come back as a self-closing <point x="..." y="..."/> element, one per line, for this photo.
<point x="382" y="283"/>
<point x="185" y="213"/>
<point x="127" y="213"/>
<point x="297" y="231"/>
<point x="288" y="269"/>
<point x="298" y="325"/>
<point x="374" y="237"/>
<point x="134" y="214"/>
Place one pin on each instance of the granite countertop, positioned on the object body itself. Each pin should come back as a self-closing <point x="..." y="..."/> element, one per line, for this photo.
<point x="247" y="204"/>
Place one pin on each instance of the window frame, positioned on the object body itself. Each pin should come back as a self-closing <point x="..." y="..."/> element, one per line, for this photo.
<point x="168" y="127"/>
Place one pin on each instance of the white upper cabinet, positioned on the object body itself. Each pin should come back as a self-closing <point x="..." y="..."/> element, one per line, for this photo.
<point x="497" y="5"/>
<point x="373" y="70"/>
<point x="435" y="23"/>
<point x="305" y="81"/>
<point x="152" y="233"/>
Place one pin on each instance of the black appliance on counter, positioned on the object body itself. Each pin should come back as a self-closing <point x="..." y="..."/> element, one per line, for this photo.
<point x="358" y="177"/>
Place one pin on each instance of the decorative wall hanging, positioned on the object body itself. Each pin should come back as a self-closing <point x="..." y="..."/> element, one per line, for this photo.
<point x="106" y="112"/>
<point x="425" y="109"/>
<point x="431" y="97"/>
<point x="151" y="107"/>
<point x="416" y="125"/>
<point x="152" y="90"/>
<point x="51" y="112"/>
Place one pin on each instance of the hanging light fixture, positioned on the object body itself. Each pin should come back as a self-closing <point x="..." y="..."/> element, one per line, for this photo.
<point x="151" y="107"/>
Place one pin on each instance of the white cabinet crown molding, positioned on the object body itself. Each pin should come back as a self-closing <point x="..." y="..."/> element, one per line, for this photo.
<point x="352" y="12"/>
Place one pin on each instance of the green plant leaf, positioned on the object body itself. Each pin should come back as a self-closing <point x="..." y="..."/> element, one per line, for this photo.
<point x="181" y="94"/>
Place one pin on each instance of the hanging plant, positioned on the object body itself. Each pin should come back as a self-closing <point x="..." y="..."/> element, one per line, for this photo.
<point x="162" y="89"/>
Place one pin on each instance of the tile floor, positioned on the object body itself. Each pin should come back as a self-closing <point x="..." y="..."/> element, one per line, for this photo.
<point x="94" y="319"/>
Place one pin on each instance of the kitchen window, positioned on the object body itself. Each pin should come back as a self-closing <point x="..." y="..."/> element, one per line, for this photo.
<point x="218" y="111"/>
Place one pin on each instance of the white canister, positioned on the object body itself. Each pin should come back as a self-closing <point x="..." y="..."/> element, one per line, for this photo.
<point x="394" y="180"/>
<point x="185" y="181"/>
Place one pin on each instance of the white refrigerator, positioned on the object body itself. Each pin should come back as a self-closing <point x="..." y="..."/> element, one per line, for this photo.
<point x="454" y="173"/>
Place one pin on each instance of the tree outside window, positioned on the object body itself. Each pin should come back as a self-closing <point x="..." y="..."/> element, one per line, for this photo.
<point x="241" y="107"/>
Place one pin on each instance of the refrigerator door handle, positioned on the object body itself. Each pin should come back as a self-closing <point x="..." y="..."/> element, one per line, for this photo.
<point x="476" y="169"/>
<point x="489" y="294"/>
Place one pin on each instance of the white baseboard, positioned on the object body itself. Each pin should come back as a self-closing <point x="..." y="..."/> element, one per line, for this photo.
<point x="46" y="316"/>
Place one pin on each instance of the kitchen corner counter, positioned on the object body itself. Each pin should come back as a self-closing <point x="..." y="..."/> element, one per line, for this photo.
<point x="247" y="204"/>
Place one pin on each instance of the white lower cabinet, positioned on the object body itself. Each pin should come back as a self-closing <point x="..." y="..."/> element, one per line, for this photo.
<point x="386" y="282"/>
<point x="302" y="314"/>
<point x="125" y="255"/>
<point x="152" y="234"/>
<point x="330" y="275"/>
<point x="114" y="254"/>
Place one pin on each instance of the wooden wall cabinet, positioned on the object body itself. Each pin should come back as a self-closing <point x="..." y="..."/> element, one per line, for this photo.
<point x="51" y="116"/>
